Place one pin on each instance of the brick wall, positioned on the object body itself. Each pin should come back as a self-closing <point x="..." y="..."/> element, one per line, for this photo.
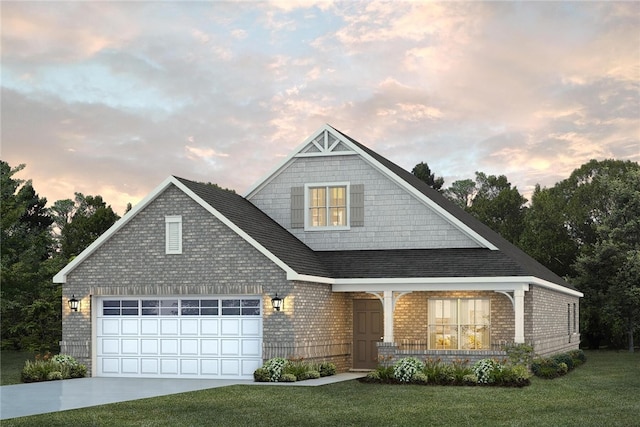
<point x="215" y="260"/>
<point x="551" y="329"/>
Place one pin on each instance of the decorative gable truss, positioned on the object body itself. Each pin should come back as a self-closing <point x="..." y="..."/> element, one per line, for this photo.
<point x="325" y="144"/>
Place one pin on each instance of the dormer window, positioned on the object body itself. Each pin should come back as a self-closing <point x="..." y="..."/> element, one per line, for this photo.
<point x="327" y="206"/>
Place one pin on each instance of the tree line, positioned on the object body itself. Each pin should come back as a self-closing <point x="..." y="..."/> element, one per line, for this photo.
<point x="585" y="228"/>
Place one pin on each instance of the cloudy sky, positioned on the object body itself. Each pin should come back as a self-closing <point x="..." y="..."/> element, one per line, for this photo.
<point x="110" y="98"/>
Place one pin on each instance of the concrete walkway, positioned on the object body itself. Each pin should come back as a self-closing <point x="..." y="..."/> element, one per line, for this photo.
<point x="21" y="400"/>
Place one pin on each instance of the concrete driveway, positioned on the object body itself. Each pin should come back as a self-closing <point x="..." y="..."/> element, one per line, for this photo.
<point x="21" y="400"/>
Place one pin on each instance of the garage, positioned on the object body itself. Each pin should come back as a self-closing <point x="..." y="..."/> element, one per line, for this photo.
<point x="181" y="337"/>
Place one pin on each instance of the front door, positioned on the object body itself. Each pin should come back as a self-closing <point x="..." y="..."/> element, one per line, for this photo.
<point x="367" y="332"/>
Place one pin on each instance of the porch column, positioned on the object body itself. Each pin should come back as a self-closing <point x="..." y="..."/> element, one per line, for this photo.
<point x="387" y="305"/>
<point x="518" y="306"/>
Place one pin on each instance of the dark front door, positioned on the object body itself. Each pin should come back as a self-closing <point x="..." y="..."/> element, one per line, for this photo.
<point x="367" y="332"/>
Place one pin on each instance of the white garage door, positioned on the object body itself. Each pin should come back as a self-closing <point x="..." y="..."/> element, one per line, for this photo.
<point x="196" y="337"/>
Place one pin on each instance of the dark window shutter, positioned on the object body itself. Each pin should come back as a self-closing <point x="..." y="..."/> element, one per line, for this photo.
<point x="297" y="207"/>
<point x="357" y="205"/>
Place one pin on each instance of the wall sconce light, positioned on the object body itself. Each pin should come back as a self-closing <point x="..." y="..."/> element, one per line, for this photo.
<point x="74" y="304"/>
<point x="276" y="302"/>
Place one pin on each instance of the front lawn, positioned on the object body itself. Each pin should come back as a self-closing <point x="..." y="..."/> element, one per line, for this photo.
<point x="604" y="391"/>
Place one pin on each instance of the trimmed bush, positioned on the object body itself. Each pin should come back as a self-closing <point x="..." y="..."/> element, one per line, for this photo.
<point x="406" y="368"/>
<point x="546" y="368"/>
<point x="310" y="375"/>
<point x="261" y="375"/>
<point x="487" y="371"/>
<point x="275" y="367"/>
<point x="327" y="369"/>
<point x="288" y="378"/>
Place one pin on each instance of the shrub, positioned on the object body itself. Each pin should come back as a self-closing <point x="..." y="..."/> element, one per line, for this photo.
<point x="275" y="367"/>
<point x="373" y="376"/>
<point x="514" y="375"/>
<point x="546" y="368"/>
<point x="578" y="355"/>
<point x="296" y="367"/>
<point x="385" y="373"/>
<point x="470" y="379"/>
<point x="327" y="369"/>
<point x="310" y="375"/>
<point x="54" y="375"/>
<point x="487" y="370"/>
<point x="519" y="354"/>
<point x="433" y="370"/>
<point x="460" y="369"/>
<point x="261" y="375"/>
<point x="419" y="378"/>
<point x="47" y="368"/>
<point x="288" y="378"/>
<point x="564" y="358"/>
<point x="406" y="368"/>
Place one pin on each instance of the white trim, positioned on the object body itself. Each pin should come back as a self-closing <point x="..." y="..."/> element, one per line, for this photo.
<point x="168" y="221"/>
<point x="327" y="186"/>
<point x="61" y="276"/>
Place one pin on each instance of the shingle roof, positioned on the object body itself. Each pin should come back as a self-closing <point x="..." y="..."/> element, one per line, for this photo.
<point x="508" y="261"/>
<point x="530" y="266"/>
<point x="260" y="227"/>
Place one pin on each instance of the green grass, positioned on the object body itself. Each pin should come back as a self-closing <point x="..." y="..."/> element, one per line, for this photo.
<point x="11" y="364"/>
<point x="603" y="392"/>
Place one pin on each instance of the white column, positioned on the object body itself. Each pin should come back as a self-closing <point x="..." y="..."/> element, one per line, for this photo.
<point x="387" y="305"/>
<point x="518" y="306"/>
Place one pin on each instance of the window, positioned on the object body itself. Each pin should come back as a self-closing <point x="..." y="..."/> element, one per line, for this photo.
<point x="327" y="206"/>
<point x="182" y="307"/>
<point x="173" y="227"/>
<point x="459" y="324"/>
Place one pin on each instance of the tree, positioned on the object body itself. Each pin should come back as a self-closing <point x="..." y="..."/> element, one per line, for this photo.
<point x="423" y="172"/>
<point x="498" y="205"/>
<point x="91" y="218"/>
<point x="545" y="236"/>
<point x="609" y="270"/>
<point x="25" y="273"/>
<point x="461" y="192"/>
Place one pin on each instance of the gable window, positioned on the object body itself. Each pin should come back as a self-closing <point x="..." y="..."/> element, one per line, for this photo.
<point x="459" y="324"/>
<point x="327" y="206"/>
<point x="173" y="234"/>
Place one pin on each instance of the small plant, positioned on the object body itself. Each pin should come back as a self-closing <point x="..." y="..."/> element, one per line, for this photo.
<point x="297" y="367"/>
<point x="419" y="378"/>
<point x="486" y="370"/>
<point x="311" y="375"/>
<point x="460" y="369"/>
<point x="327" y="369"/>
<point x="48" y="368"/>
<point x="275" y="367"/>
<point x="288" y="378"/>
<point x="406" y="368"/>
<point x="433" y="369"/>
<point x="546" y="368"/>
<point x="514" y="375"/>
<point x="262" y="375"/>
<point x="470" y="379"/>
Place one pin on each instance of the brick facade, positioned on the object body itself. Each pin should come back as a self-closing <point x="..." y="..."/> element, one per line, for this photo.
<point x="215" y="261"/>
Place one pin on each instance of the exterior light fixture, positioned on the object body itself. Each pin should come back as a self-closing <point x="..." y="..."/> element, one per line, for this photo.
<point x="74" y="304"/>
<point x="276" y="302"/>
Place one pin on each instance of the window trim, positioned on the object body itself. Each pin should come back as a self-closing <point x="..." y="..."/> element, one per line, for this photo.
<point x="168" y="221"/>
<point x="327" y="185"/>
<point x="457" y="325"/>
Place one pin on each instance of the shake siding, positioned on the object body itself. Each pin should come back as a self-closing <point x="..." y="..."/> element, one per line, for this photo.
<point x="214" y="261"/>
<point x="393" y="218"/>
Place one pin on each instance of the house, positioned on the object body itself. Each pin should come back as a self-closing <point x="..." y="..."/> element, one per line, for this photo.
<point x="365" y="258"/>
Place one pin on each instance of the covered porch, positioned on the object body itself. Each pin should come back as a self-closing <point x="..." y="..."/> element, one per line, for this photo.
<point x="447" y="319"/>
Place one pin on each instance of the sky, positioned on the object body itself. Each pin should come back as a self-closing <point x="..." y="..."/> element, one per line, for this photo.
<point x="110" y="98"/>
